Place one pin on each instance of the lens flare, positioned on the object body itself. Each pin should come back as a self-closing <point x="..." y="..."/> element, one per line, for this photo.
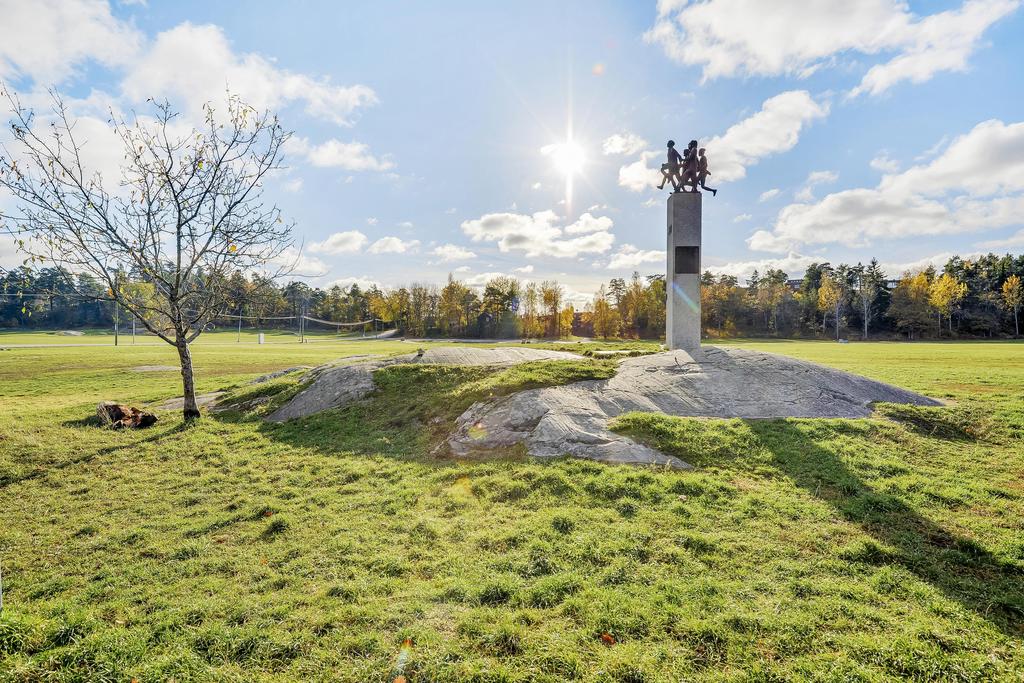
<point x="685" y="297"/>
<point x="568" y="157"/>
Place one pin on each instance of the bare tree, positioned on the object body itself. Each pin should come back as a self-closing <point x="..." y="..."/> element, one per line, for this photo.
<point x="186" y="213"/>
<point x="870" y="282"/>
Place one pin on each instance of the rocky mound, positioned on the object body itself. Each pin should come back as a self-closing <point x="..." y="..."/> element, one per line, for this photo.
<point x="716" y="382"/>
<point x="334" y="386"/>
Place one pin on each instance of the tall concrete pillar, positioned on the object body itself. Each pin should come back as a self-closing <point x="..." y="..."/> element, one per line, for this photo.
<point x="682" y="279"/>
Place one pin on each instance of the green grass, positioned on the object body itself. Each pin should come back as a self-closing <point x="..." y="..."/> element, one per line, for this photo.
<point x="879" y="549"/>
<point x="226" y="335"/>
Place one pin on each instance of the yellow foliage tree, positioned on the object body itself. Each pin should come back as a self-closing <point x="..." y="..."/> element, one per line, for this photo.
<point x="565" y="321"/>
<point x="452" y="312"/>
<point x="606" y="316"/>
<point x="944" y="294"/>
<point x="1013" y="299"/>
<point x="830" y="298"/>
<point x="909" y="306"/>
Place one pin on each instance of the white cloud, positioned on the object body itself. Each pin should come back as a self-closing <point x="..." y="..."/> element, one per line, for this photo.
<point x="796" y="38"/>
<point x="299" y="264"/>
<point x="792" y="264"/>
<point x="819" y="177"/>
<point x="350" y="156"/>
<point x="775" y="128"/>
<point x="293" y="185"/>
<point x="371" y="221"/>
<point x="986" y="161"/>
<point x="405" y="224"/>
<point x="806" y="193"/>
<point x="9" y="254"/>
<point x="764" y="240"/>
<point x="345" y="242"/>
<point x="883" y="163"/>
<point x="538" y="234"/>
<point x="623" y="143"/>
<point x="392" y="245"/>
<point x="48" y="41"/>
<point x="941" y="42"/>
<point x="463" y="269"/>
<point x="896" y="269"/>
<point x="452" y="252"/>
<point x="587" y="223"/>
<point x="1012" y="242"/>
<point x="481" y="279"/>
<point x="196" y="64"/>
<point x="450" y="211"/>
<point x="976" y="184"/>
<point x="933" y="150"/>
<point x="638" y="176"/>
<point x="768" y="194"/>
<point x="364" y="283"/>
<point x="629" y="256"/>
<point x="526" y="270"/>
<point x="742" y="217"/>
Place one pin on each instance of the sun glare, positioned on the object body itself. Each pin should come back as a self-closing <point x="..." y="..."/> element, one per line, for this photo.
<point x="569" y="157"/>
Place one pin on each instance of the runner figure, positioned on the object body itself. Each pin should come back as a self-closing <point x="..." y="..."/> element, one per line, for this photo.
<point x="703" y="172"/>
<point x="670" y="171"/>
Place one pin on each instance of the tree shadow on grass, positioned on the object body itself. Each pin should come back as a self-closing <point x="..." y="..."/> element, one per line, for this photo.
<point x="155" y="434"/>
<point x="958" y="567"/>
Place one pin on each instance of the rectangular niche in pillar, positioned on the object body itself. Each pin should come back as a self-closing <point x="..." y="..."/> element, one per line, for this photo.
<point x="687" y="261"/>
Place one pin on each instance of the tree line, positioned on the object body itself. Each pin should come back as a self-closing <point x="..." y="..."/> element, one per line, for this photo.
<point x="979" y="297"/>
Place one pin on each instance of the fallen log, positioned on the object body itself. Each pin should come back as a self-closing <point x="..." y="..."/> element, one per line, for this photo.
<point x="121" y="416"/>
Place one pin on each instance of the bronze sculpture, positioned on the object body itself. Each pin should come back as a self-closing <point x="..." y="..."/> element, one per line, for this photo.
<point x="670" y="170"/>
<point x="703" y="172"/>
<point x="689" y="168"/>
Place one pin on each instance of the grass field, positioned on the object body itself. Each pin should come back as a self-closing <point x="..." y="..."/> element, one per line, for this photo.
<point x="836" y="550"/>
<point x="214" y="337"/>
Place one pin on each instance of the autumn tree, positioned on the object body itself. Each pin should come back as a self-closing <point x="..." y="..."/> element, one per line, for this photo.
<point x="551" y="298"/>
<point x="655" y="302"/>
<point x="1013" y="298"/>
<point x="452" y="311"/>
<point x="392" y="307"/>
<point x="830" y="298"/>
<point x="533" y="319"/>
<point x="909" y="307"/>
<point x="186" y="212"/>
<point x="606" y="316"/>
<point x="631" y="304"/>
<point x="565" y="321"/>
<point x="501" y="301"/>
<point x="944" y="294"/>
<point x="770" y="297"/>
<point x="719" y="297"/>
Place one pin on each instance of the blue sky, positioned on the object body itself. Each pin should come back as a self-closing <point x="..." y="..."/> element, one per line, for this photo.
<point x="423" y="130"/>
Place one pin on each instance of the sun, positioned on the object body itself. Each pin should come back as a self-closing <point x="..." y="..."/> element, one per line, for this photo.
<point x="568" y="157"/>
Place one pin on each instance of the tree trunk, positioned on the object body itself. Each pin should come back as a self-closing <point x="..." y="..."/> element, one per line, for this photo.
<point x="189" y="408"/>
